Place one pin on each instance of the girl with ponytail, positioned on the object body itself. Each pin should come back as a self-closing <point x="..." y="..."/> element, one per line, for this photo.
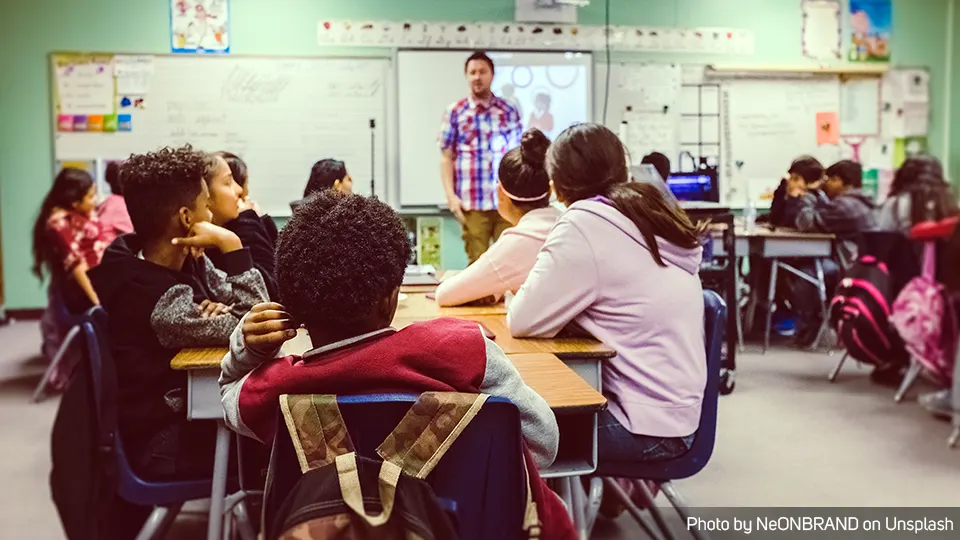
<point x="622" y="263"/>
<point x="524" y="201"/>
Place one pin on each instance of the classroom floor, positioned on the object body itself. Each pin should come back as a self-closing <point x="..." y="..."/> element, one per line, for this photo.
<point x="786" y="438"/>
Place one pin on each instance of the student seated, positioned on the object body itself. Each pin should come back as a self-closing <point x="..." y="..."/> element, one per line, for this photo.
<point x="68" y="241"/>
<point x="340" y="263"/>
<point x="918" y="193"/>
<point x="660" y="162"/>
<point x="161" y="295"/>
<point x="836" y="206"/>
<point x="238" y="168"/>
<point x="326" y="174"/>
<point x="113" y="210"/>
<point x="524" y="200"/>
<point x="622" y="264"/>
<point x="803" y="171"/>
<point x="236" y="212"/>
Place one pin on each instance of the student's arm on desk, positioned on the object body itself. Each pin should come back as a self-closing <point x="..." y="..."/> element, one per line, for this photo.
<point x="808" y="216"/>
<point x="537" y="421"/>
<point x="491" y="275"/>
<point x="561" y="285"/>
<point x="235" y="367"/>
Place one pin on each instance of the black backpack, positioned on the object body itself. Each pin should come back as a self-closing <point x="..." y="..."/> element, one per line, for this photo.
<point x="860" y="314"/>
<point x="343" y="495"/>
<point x="83" y="479"/>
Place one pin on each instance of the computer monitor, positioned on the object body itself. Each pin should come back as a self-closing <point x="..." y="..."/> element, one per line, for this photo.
<point x="695" y="186"/>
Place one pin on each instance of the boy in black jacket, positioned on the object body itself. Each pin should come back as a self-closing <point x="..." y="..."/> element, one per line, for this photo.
<point x="161" y="295"/>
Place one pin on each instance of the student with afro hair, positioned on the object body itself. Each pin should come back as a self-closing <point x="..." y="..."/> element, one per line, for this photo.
<point x="340" y="263"/>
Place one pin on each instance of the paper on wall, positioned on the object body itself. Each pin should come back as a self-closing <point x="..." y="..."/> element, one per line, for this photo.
<point x="828" y="128"/>
<point x="85" y="86"/>
<point x="821" y="34"/>
<point x="651" y="87"/>
<point x="134" y="74"/>
<point x="860" y="107"/>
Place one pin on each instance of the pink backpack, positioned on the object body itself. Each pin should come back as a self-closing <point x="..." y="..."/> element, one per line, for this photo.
<point x="925" y="321"/>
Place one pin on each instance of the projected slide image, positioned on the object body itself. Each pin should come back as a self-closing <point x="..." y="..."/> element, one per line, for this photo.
<point x="550" y="98"/>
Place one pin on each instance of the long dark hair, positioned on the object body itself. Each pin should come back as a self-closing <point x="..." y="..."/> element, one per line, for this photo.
<point x="931" y="198"/>
<point x="522" y="174"/>
<point x="588" y="160"/>
<point x="237" y="167"/>
<point x="70" y="186"/>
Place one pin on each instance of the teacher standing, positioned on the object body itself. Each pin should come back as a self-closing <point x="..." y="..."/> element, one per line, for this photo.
<point x="476" y="133"/>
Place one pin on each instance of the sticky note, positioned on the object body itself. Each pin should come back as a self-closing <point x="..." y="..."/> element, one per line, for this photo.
<point x="828" y="128"/>
<point x="109" y="123"/>
<point x="80" y="122"/>
<point x="65" y="122"/>
<point x="95" y="122"/>
<point x="124" y="122"/>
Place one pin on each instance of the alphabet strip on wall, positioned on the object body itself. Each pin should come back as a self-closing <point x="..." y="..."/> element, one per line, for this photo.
<point x="508" y="35"/>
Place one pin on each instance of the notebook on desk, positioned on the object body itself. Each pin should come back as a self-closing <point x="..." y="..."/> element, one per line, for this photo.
<point x="420" y="274"/>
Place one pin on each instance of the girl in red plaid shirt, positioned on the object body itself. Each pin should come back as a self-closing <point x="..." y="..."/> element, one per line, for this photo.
<point x="68" y="240"/>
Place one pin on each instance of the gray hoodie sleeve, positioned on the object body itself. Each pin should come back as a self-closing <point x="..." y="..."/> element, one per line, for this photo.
<point x="537" y="422"/>
<point x="894" y="215"/>
<point x="238" y="284"/>
<point x="235" y="367"/>
<point x="177" y="320"/>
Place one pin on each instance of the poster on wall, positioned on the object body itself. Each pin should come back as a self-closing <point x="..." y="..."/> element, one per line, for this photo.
<point x="200" y="26"/>
<point x="822" y="30"/>
<point x="84" y="97"/>
<point x="871" y="25"/>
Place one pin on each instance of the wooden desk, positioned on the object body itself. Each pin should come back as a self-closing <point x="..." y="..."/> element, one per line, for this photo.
<point x="563" y="389"/>
<point x="419" y="307"/>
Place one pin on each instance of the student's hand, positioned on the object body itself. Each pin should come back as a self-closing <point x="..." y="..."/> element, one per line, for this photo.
<point x="207" y="235"/>
<point x="268" y="326"/>
<point x="250" y="204"/>
<point x="796" y="188"/>
<point x="209" y="310"/>
<point x="485" y="301"/>
<point x="456" y="207"/>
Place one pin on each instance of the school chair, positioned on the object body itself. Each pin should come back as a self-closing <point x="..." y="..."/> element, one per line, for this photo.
<point x="931" y="235"/>
<point x="64" y="319"/>
<point x="689" y="464"/>
<point x="481" y="477"/>
<point x="166" y="498"/>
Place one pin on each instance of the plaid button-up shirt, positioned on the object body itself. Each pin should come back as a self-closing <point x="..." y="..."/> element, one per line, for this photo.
<point x="479" y="135"/>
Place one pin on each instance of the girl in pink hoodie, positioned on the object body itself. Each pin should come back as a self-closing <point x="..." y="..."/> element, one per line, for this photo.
<point x="524" y="201"/>
<point x="622" y="263"/>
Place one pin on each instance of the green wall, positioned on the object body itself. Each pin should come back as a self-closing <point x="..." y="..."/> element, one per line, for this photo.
<point x="30" y="30"/>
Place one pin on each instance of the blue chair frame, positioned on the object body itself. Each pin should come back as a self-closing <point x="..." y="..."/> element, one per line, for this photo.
<point x="692" y="462"/>
<point x="481" y="475"/>
<point x="165" y="497"/>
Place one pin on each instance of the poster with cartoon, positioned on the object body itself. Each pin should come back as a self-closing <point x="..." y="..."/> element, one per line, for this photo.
<point x="870" y="29"/>
<point x="200" y="26"/>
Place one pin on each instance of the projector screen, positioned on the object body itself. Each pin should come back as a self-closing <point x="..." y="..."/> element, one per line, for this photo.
<point x="551" y="90"/>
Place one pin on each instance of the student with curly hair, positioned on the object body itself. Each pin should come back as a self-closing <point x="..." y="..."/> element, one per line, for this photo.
<point x="340" y="263"/>
<point x="162" y="294"/>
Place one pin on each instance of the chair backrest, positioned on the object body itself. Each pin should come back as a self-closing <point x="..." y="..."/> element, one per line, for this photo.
<point x="104" y="386"/>
<point x="482" y="473"/>
<point x="694" y="460"/>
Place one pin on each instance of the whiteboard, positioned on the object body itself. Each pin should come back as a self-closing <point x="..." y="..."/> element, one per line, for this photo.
<point x="766" y="125"/>
<point x="428" y="82"/>
<point x="279" y="114"/>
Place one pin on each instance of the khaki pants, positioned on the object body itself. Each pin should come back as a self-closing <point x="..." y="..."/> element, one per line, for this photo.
<point x="480" y="229"/>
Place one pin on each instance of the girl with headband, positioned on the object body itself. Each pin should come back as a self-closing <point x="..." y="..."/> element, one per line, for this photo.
<point x="524" y="201"/>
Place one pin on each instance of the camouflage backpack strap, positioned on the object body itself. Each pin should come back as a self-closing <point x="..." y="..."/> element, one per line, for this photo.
<point x="428" y="430"/>
<point x="316" y="429"/>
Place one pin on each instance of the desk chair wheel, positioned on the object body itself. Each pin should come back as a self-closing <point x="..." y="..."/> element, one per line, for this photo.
<point x="727" y="381"/>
